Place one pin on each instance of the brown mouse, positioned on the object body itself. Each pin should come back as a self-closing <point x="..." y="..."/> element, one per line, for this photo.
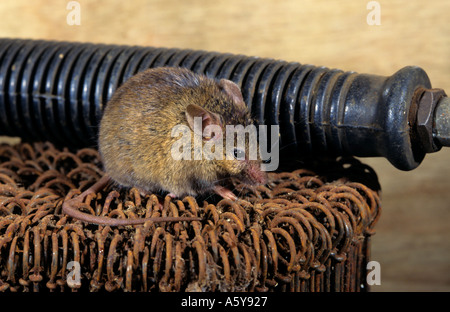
<point x="137" y="138"/>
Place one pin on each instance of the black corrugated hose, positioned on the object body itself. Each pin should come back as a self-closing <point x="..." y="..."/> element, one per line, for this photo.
<point x="56" y="91"/>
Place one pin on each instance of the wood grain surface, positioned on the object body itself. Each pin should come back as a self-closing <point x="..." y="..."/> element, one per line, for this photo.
<point x="412" y="242"/>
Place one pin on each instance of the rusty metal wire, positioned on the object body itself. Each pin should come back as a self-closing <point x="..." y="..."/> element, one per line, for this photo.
<point x="303" y="231"/>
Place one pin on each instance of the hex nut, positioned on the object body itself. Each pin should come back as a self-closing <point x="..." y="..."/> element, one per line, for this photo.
<point x="425" y="118"/>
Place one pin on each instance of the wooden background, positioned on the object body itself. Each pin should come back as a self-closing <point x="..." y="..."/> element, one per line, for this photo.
<point x="412" y="242"/>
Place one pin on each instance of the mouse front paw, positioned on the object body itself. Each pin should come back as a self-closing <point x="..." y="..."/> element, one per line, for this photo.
<point x="224" y="192"/>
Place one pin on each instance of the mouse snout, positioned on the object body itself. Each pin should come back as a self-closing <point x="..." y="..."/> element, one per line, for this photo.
<point x="255" y="174"/>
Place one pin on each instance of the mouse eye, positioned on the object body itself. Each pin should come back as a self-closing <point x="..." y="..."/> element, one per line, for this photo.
<point x="239" y="154"/>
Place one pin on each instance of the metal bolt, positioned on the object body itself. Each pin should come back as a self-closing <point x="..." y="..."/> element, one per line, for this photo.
<point x="441" y="131"/>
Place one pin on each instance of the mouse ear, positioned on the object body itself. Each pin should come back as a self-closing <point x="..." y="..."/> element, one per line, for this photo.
<point x="211" y="125"/>
<point x="233" y="90"/>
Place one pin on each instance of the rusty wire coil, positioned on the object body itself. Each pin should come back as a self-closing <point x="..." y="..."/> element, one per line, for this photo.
<point x="300" y="232"/>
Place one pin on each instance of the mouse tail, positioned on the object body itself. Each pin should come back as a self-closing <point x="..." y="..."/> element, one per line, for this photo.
<point x="71" y="208"/>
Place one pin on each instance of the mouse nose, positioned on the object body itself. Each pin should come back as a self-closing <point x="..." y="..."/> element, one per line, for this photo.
<point x="256" y="174"/>
<point x="262" y="179"/>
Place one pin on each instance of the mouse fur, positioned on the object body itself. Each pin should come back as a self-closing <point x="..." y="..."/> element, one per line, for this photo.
<point x="135" y="132"/>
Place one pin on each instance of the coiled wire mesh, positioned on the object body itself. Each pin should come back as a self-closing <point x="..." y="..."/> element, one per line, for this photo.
<point x="303" y="231"/>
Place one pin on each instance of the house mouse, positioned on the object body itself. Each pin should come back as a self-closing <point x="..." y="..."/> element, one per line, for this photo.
<point x="137" y="139"/>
